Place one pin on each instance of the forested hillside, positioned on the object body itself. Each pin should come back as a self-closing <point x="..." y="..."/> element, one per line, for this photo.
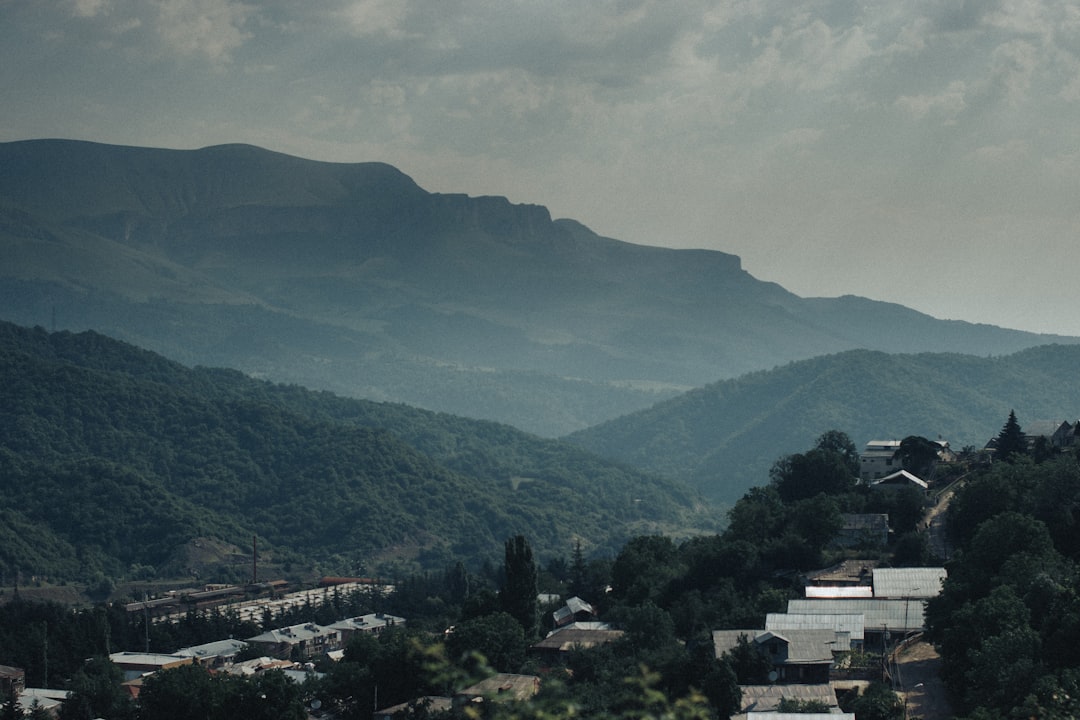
<point x="723" y="438"/>
<point x="116" y="461"/>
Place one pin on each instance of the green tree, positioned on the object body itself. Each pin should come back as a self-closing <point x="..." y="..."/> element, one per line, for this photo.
<point x="918" y="455"/>
<point x="498" y="638"/>
<point x="1010" y="441"/>
<point x="643" y="569"/>
<point x="95" y="692"/>
<point x="804" y="475"/>
<point x="180" y="693"/>
<point x="519" y="593"/>
<point x="838" y="442"/>
<point x="876" y="702"/>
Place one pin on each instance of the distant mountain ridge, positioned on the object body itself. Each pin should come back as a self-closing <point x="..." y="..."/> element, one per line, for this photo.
<point x="724" y="437"/>
<point x="352" y="278"/>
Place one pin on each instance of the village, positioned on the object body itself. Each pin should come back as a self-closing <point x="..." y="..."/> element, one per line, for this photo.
<point x="857" y="623"/>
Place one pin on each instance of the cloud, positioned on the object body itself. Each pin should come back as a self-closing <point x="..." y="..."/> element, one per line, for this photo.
<point x="90" y="8"/>
<point x="946" y="105"/>
<point x="213" y="29"/>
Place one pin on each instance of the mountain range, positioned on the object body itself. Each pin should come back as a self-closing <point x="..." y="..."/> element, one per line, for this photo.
<point x="352" y="278"/>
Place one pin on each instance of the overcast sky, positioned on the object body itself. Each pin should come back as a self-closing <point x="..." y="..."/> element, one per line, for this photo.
<point x="926" y="153"/>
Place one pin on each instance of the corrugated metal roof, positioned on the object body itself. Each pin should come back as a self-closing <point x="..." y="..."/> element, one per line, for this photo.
<point x="765" y="698"/>
<point x="842" y="591"/>
<point x="781" y="622"/>
<point x="801" y="716"/>
<point x="922" y="582"/>
<point x="803" y="646"/>
<point x="902" y="615"/>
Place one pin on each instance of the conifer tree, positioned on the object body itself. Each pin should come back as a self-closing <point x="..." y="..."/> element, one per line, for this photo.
<point x="1010" y="441"/>
<point x="518" y="596"/>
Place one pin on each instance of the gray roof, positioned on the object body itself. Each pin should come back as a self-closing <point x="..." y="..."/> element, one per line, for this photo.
<point x="569" y="639"/>
<point x="367" y="623"/>
<point x="851" y="624"/>
<point x="902" y="615"/>
<point x="922" y="582"/>
<point x="763" y="698"/>
<point x="213" y="649"/>
<point x="803" y="646"/>
<point x="294" y="634"/>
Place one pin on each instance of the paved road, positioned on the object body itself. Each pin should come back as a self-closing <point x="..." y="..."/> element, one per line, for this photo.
<point x="918" y="678"/>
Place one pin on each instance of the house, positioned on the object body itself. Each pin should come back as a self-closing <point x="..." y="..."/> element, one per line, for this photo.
<point x="766" y="698"/>
<point x="501" y="687"/>
<point x="794" y="716"/>
<point x="298" y="642"/>
<point x="433" y="704"/>
<point x="258" y="665"/>
<point x="863" y="530"/>
<point x="558" y="644"/>
<point x="844" y="573"/>
<point x="135" y="665"/>
<point x="214" y="654"/>
<point x="373" y="623"/>
<point x="12" y="680"/>
<point x="899" y="480"/>
<point x="47" y="699"/>
<point x="852" y="624"/>
<point x="1055" y="434"/>
<point x="879" y="459"/>
<point x="884" y="619"/>
<point x="575" y="610"/>
<point x="923" y="582"/>
<point x="798" y="656"/>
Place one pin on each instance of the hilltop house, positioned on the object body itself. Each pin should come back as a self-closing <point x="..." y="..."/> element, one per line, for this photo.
<point x="899" y="480"/>
<point x="1056" y="434"/>
<point x="878" y="459"/>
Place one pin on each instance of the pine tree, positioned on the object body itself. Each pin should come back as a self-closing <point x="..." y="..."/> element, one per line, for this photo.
<point x="518" y="597"/>
<point x="579" y="572"/>
<point x="1011" y="440"/>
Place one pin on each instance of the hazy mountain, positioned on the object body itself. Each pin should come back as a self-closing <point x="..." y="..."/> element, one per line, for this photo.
<point x="724" y="437"/>
<point x="352" y="278"/>
<point x="114" y="459"/>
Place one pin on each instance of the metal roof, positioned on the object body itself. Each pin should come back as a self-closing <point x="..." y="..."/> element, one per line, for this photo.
<point x="213" y="649"/>
<point x="803" y="646"/>
<point x="765" y="698"/>
<point x="921" y="582"/>
<point x="782" y="622"/>
<point x="902" y="615"/>
<point x="839" y="591"/>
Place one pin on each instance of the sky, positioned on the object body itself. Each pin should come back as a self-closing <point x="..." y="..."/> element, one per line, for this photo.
<point x="918" y="152"/>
